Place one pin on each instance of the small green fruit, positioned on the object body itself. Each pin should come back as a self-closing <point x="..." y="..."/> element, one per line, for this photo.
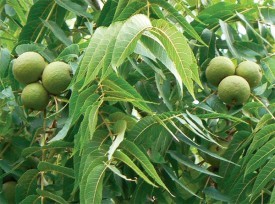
<point x="219" y="68"/>
<point x="35" y="96"/>
<point x="9" y="191"/>
<point x="251" y="72"/>
<point x="56" y="77"/>
<point x="28" y="67"/>
<point x="234" y="90"/>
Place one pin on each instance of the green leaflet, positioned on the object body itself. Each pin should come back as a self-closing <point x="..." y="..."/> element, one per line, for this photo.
<point x="131" y="148"/>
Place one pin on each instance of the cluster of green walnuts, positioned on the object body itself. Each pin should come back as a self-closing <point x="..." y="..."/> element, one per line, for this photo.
<point x="41" y="79"/>
<point x="234" y="84"/>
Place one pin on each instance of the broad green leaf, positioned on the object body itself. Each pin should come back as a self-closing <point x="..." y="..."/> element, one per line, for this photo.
<point x="187" y="162"/>
<point x="227" y="31"/>
<point x="130" y="10"/>
<point x="94" y="187"/>
<point x="107" y="13"/>
<point x="266" y="174"/>
<point x="26" y="185"/>
<point x="93" y="116"/>
<point x="269" y="68"/>
<point x="125" y="159"/>
<point x="122" y="4"/>
<point x="20" y="49"/>
<point x="96" y="160"/>
<point x="103" y="53"/>
<point x="90" y="151"/>
<point x="51" y="196"/>
<point x="119" y="130"/>
<point x="32" y="199"/>
<point x="172" y="175"/>
<point x="207" y="52"/>
<point x="178" y="50"/>
<point x="127" y="38"/>
<point x="73" y="7"/>
<point x="20" y="11"/>
<point x="131" y="148"/>
<point x="46" y="166"/>
<point x="4" y="62"/>
<point x="268" y="14"/>
<point x="63" y="132"/>
<point x="69" y="52"/>
<point x="260" y="157"/>
<point x="34" y="30"/>
<point x="272" y="199"/>
<point x="58" y="32"/>
<point x="78" y="99"/>
<point x="89" y="53"/>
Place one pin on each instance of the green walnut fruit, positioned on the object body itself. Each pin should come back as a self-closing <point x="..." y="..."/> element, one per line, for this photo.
<point x="56" y="77"/>
<point x="35" y="96"/>
<point x="9" y="191"/>
<point x="217" y="150"/>
<point x="234" y="90"/>
<point x="28" y="67"/>
<point x="251" y="72"/>
<point x="219" y="68"/>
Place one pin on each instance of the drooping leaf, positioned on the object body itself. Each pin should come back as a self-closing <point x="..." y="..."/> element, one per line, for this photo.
<point x="93" y="189"/>
<point x="128" y="36"/>
<point x="125" y="159"/>
<point x="34" y="29"/>
<point x="117" y="87"/>
<point x="215" y="194"/>
<point x="51" y="196"/>
<point x="73" y="7"/>
<point x="172" y="175"/>
<point x="57" y="31"/>
<point x="46" y="166"/>
<point x="131" y="148"/>
<point x="26" y="185"/>
<point x="179" y="51"/>
<point x="187" y="162"/>
<point x="119" y="130"/>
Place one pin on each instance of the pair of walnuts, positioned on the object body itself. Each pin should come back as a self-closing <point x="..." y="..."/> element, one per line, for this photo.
<point x="234" y="84"/>
<point x="40" y="79"/>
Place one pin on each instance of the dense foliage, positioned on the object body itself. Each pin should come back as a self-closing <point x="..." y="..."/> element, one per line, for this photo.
<point x="139" y="122"/>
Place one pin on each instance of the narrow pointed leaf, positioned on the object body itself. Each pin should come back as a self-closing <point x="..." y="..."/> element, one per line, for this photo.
<point x="125" y="159"/>
<point x="260" y="157"/>
<point x="266" y="174"/>
<point x="46" y="166"/>
<point x="144" y="161"/>
<point x="51" y="196"/>
<point x="94" y="187"/>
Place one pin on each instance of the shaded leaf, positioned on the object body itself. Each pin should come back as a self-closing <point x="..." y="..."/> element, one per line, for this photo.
<point x="46" y="166"/>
